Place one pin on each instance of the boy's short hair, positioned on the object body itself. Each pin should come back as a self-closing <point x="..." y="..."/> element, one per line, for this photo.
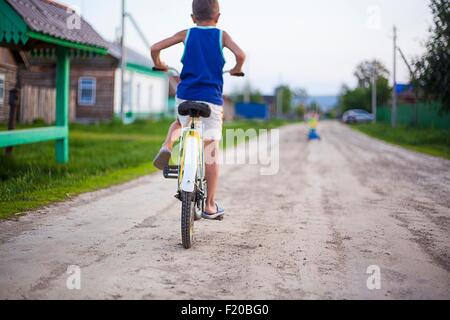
<point x="204" y="10"/>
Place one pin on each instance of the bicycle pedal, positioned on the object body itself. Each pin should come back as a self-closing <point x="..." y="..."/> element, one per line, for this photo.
<point x="171" y="172"/>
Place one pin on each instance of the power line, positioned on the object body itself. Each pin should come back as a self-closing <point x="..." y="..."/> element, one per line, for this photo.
<point x="139" y="30"/>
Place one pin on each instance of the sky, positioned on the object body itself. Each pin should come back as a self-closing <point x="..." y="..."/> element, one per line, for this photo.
<point x="311" y="44"/>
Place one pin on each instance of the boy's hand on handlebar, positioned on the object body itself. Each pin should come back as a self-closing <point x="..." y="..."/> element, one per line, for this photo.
<point x="161" y="67"/>
<point x="236" y="72"/>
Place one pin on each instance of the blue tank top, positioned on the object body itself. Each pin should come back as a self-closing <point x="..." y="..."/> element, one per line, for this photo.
<point x="203" y="62"/>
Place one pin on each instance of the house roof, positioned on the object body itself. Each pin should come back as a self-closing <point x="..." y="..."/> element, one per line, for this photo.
<point x="133" y="56"/>
<point x="51" y="18"/>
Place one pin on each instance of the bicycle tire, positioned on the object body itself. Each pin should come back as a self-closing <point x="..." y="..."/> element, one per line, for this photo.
<point x="187" y="219"/>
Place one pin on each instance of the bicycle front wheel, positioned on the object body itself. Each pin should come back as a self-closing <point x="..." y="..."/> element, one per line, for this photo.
<point x="187" y="219"/>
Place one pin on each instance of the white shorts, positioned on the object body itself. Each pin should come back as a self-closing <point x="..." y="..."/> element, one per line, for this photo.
<point x="212" y="126"/>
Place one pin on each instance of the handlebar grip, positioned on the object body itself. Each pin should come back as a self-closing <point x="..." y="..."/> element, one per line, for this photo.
<point x="157" y="69"/>
<point x="241" y="74"/>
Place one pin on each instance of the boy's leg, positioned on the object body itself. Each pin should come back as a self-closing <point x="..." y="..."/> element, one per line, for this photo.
<point x="163" y="157"/>
<point x="212" y="174"/>
<point x="172" y="135"/>
<point x="213" y="136"/>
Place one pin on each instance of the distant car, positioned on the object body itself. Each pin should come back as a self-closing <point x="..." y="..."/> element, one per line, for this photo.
<point x="357" y="116"/>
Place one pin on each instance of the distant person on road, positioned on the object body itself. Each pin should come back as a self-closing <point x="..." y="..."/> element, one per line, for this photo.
<point x="313" y="122"/>
<point x="201" y="81"/>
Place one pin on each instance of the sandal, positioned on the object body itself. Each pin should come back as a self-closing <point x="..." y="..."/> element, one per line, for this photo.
<point x="162" y="159"/>
<point x="214" y="216"/>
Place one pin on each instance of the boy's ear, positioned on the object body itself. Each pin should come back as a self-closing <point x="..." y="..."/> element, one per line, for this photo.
<point x="217" y="17"/>
<point x="193" y="19"/>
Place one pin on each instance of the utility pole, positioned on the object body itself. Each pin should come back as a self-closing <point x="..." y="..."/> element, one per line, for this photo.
<point x="123" y="64"/>
<point x="374" y="93"/>
<point x="394" y="89"/>
<point x="374" y="98"/>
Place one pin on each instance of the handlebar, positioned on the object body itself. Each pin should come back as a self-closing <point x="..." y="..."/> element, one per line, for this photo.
<point x="241" y="74"/>
<point x="170" y="69"/>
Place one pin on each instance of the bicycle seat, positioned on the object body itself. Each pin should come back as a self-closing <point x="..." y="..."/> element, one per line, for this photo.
<point x="194" y="109"/>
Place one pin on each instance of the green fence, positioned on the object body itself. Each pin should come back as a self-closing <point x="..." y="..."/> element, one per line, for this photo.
<point x="420" y="115"/>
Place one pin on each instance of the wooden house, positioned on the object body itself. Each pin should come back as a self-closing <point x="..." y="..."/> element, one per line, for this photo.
<point x="33" y="71"/>
<point x="8" y="80"/>
<point x="95" y="92"/>
<point x="33" y="34"/>
<point x="91" y="83"/>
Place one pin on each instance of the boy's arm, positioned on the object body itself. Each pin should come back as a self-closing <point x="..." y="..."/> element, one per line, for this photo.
<point x="237" y="51"/>
<point x="164" y="44"/>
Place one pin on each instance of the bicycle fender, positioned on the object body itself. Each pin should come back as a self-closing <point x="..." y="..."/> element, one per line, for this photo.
<point x="190" y="164"/>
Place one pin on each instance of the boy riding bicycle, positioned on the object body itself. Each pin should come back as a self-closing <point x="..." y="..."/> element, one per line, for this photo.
<point x="201" y="81"/>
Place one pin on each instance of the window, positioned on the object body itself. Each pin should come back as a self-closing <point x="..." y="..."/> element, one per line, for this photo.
<point x="87" y="91"/>
<point x="2" y="88"/>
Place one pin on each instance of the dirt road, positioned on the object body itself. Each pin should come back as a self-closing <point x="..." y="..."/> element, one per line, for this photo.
<point x="335" y="208"/>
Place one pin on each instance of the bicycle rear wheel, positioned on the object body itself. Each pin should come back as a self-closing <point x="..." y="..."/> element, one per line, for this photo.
<point x="187" y="219"/>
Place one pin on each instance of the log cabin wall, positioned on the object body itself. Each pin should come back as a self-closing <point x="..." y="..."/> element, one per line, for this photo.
<point x="8" y="70"/>
<point x="102" y="69"/>
<point x="38" y="95"/>
<point x="39" y="103"/>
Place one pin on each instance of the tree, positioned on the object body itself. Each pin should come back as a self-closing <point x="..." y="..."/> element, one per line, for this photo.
<point x="432" y="75"/>
<point x="357" y="98"/>
<point x="360" y="97"/>
<point x="365" y="71"/>
<point x="286" y="98"/>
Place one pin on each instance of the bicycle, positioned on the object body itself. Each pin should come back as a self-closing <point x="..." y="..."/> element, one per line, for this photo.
<point x="190" y="171"/>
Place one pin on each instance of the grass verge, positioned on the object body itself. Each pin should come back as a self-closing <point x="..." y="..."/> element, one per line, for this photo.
<point x="100" y="156"/>
<point x="434" y="142"/>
